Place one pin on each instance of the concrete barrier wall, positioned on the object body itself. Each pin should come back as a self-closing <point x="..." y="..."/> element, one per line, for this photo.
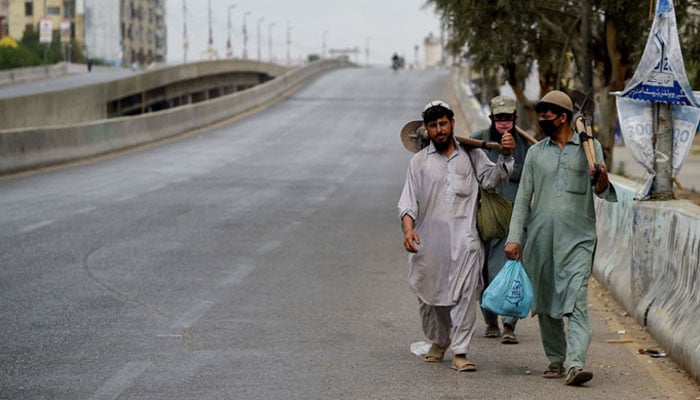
<point x="89" y="103"/>
<point x="648" y="257"/>
<point x="29" y="74"/>
<point x="24" y="149"/>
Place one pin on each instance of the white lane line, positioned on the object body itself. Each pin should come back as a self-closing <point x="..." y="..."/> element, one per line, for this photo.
<point x="237" y="276"/>
<point x="35" y="226"/>
<point x="269" y="246"/>
<point x="168" y="335"/>
<point x="122" y="381"/>
<point x="192" y="315"/>
<point x="85" y="210"/>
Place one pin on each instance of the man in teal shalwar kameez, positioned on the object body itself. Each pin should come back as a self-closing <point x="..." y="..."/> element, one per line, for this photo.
<point x="555" y="204"/>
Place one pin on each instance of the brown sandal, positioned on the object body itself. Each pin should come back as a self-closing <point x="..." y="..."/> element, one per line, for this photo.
<point x="461" y="364"/>
<point x="554" y="370"/>
<point x="435" y="353"/>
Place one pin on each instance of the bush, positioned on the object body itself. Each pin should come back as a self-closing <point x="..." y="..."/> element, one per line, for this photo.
<point x="17" y="57"/>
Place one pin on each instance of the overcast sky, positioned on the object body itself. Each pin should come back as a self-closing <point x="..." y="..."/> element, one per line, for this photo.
<point x="388" y="26"/>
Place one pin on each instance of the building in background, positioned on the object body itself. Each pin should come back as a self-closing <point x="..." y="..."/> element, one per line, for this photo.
<point x="103" y="33"/>
<point x="28" y="13"/>
<point x="4" y="13"/>
<point x="432" y="45"/>
<point x="143" y="32"/>
<point x="118" y="32"/>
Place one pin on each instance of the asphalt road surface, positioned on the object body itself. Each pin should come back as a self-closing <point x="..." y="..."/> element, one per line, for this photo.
<point x="258" y="260"/>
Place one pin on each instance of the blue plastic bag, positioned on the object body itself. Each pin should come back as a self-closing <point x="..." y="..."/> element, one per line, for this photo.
<point x="510" y="292"/>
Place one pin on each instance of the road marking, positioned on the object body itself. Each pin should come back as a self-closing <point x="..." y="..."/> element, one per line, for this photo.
<point x="237" y="276"/>
<point x="122" y="381"/>
<point x="269" y="246"/>
<point x="85" y="210"/>
<point x="168" y="335"/>
<point x="192" y="315"/>
<point x="35" y="226"/>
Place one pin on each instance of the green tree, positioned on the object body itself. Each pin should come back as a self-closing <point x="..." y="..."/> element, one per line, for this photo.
<point x="517" y="35"/>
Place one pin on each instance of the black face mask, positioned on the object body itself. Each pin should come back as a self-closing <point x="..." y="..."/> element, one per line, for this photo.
<point x="548" y="127"/>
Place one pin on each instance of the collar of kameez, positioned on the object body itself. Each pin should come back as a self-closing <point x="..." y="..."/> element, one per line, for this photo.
<point x="575" y="140"/>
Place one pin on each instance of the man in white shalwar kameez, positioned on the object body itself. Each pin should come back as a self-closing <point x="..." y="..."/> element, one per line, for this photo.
<point x="437" y="209"/>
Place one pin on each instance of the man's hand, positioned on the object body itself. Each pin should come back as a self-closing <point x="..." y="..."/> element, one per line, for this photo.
<point x="602" y="181"/>
<point x="512" y="251"/>
<point x="410" y="237"/>
<point x="410" y="240"/>
<point x="507" y="144"/>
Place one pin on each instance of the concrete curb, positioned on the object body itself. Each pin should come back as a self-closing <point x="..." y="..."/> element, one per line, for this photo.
<point x="29" y="74"/>
<point x="30" y="148"/>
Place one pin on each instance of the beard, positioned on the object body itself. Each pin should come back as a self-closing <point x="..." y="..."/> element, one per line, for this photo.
<point x="442" y="145"/>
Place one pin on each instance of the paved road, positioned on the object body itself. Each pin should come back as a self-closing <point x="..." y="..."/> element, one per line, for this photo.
<point x="76" y="78"/>
<point x="258" y="260"/>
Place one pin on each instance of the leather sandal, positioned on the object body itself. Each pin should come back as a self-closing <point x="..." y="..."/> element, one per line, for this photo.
<point x="462" y="364"/>
<point x="492" y="331"/>
<point x="577" y="376"/>
<point x="554" y="370"/>
<point x="435" y="353"/>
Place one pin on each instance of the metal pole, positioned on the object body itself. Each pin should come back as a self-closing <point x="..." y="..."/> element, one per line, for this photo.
<point x="210" y="47"/>
<point x="269" y="41"/>
<point x="663" y="151"/>
<point x="245" y="35"/>
<point x="289" y="42"/>
<point x="323" y="51"/>
<point x="367" y="49"/>
<point x="260" y="20"/>
<point x="185" y="39"/>
<point x="229" y="50"/>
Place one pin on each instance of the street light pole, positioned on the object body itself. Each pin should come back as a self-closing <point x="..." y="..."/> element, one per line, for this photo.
<point x="229" y="50"/>
<point x="323" y="52"/>
<point x="289" y="42"/>
<point x="269" y="41"/>
<point x="210" y="46"/>
<point x="245" y="35"/>
<point x="185" y="39"/>
<point x="367" y="49"/>
<point x="260" y="20"/>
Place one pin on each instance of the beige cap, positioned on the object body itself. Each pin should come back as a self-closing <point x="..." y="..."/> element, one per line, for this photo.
<point x="558" y="98"/>
<point x="502" y="105"/>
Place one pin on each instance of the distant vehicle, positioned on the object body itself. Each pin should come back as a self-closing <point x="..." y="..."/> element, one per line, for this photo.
<point x="397" y="62"/>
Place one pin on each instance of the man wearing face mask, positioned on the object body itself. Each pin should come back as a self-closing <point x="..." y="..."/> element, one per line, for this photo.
<point x="555" y="202"/>
<point x="503" y="117"/>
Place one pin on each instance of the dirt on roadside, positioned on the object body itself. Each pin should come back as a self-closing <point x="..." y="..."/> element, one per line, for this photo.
<point x="666" y="373"/>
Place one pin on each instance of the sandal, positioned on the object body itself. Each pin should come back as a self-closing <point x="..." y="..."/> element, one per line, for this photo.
<point x="577" y="376"/>
<point x="461" y="364"/>
<point x="435" y="353"/>
<point x="492" y="331"/>
<point x="554" y="370"/>
<point x="509" y="338"/>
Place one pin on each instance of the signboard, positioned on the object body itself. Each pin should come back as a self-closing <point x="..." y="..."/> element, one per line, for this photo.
<point x="65" y="31"/>
<point x="636" y="126"/>
<point x="45" y="30"/>
<point x="659" y="78"/>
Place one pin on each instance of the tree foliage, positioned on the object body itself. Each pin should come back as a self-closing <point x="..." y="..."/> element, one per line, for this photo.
<point x="515" y="36"/>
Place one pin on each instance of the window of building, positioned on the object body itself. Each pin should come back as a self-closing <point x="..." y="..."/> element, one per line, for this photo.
<point x="69" y="9"/>
<point x="28" y="8"/>
<point x="53" y="10"/>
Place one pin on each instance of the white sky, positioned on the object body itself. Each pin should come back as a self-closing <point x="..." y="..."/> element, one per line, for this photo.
<point x="387" y="25"/>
